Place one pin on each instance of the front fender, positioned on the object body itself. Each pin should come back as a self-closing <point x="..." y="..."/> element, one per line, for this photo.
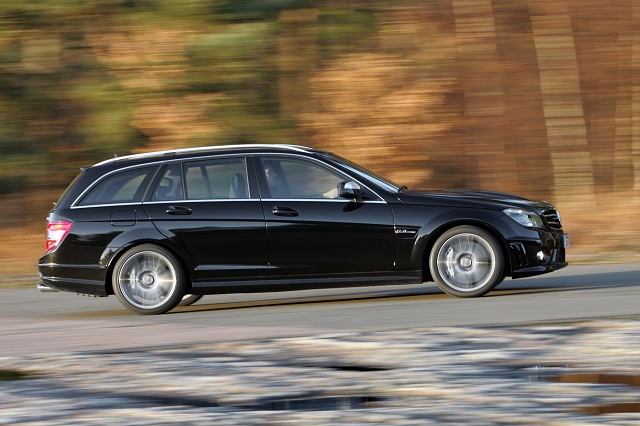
<point x="431" y="222"/>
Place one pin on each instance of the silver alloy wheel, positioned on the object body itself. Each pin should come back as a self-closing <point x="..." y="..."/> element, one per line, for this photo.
<point x="147" y="279"/>
<point x="466" y="262"/>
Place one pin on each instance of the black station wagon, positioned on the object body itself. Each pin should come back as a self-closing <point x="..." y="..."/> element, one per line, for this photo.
<point x="162" y="229"/>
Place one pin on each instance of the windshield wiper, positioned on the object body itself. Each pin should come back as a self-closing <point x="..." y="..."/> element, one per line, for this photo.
<point x="403" y="188"/>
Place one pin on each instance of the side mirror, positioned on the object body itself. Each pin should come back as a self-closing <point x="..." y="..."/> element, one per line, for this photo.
<point x="350" y="190"/>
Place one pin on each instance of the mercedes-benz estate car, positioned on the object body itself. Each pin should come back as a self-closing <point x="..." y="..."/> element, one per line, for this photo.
<point x="161" y="229"/>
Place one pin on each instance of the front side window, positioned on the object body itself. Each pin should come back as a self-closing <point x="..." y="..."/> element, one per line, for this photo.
<point x="294" y="178"/>
<point x="365" y="173"/>
<point x="216" y="179"/>
<point x="120" y="188"/>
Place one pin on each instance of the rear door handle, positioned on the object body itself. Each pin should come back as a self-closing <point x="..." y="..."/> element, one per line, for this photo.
<point x="178" y="210"/>
<point x="284" y="211"/>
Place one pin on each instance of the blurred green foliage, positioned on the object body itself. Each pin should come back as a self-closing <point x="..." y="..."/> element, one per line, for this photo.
<point x="64" y="105"/>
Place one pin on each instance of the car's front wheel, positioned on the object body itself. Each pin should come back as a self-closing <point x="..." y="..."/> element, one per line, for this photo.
<point x="148" y="279"/>
<point x="466" y="261"/>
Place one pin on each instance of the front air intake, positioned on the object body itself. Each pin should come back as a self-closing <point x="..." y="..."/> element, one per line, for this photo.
<point x="552" y="218"/>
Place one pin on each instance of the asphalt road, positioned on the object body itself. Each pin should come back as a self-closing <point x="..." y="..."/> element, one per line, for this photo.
<point x="34" y="322"/>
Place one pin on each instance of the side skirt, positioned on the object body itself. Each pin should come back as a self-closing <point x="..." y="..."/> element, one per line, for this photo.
<point x="293" y="284"/>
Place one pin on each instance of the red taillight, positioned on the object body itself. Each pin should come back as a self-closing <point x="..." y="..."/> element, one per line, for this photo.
<point x="56" y="231"/>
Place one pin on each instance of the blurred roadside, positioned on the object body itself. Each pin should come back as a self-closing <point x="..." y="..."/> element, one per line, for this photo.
<point x="22" y="235"/>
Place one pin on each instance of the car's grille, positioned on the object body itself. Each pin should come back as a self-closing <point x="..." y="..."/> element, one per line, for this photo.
<point x="553" y="219"/>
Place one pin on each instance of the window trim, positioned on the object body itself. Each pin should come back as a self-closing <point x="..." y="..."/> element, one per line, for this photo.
<point x="255" y="179"/>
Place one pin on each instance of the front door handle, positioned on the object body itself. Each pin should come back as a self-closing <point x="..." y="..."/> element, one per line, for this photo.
<point x="284" y="211"/>
<point x="178" y="210"/>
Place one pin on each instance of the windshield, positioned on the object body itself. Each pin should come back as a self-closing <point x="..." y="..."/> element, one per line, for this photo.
<point x="366" y="174"/>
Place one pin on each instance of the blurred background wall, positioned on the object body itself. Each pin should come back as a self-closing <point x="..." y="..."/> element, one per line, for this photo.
<point x="535" y="97"/>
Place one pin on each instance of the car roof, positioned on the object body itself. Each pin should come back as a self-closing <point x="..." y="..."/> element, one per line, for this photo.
<point x="203" y="150"/>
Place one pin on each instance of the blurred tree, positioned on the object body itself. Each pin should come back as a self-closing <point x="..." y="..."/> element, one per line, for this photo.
<point x="606" y="87"/>
<point x="571" y="158"/>
<point x="59" y="105"/>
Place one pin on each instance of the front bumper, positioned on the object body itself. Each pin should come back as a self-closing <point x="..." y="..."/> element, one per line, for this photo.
<point x="538" y="256"/>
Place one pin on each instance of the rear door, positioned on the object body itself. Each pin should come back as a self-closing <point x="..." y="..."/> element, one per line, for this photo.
<point x="209" y="208"/>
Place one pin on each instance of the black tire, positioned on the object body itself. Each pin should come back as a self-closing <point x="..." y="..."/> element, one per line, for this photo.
<point x="148" y="280"/>
<point x="466" y="261"/>
<point x="189" y="299"/>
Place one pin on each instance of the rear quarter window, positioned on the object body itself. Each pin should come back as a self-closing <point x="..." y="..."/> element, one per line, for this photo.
<point x="119" y="188"/>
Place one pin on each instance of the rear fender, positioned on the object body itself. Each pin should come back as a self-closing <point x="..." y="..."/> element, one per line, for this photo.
<point x="125" y="241"/>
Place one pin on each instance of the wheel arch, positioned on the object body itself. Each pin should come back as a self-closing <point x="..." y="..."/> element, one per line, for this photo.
<point x="111" y="257"/>
<point x="432" y="237"/>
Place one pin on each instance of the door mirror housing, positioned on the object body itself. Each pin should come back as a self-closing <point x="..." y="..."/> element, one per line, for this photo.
<point x="351" y="190"/>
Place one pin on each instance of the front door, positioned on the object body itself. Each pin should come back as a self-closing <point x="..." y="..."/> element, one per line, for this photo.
<point x="313" y="231"/>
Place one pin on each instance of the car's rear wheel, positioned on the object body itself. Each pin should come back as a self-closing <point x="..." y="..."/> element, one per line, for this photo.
<point x="466" y="261"/>
<point x="189" y="299"/>
<point x="148" y="279"/>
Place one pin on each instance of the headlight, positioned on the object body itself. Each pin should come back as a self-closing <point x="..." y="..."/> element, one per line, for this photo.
<point x="525" y="218"/>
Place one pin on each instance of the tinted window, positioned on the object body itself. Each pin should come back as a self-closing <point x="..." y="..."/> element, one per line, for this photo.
<point x="293" y="178"/>
<point x="169" y="187"/>
<point x="124" y="187"/>
<point x="216" y="179"/>
<point x="365" y="173"/>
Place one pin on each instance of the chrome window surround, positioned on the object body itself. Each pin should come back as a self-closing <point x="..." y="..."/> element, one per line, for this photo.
<point x="239" y="200"/>
<point x="165" y="160"/>
<point x="158" y="163"/>
<point x="92" y="206"/>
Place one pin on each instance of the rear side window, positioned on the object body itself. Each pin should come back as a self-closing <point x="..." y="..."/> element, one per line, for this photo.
<point x="169" y="188"/>
<point x="216" y="179"/>
<point x="123" y="187"/>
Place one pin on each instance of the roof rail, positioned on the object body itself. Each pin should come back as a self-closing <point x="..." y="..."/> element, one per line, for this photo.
<point x="213" y="148"/>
